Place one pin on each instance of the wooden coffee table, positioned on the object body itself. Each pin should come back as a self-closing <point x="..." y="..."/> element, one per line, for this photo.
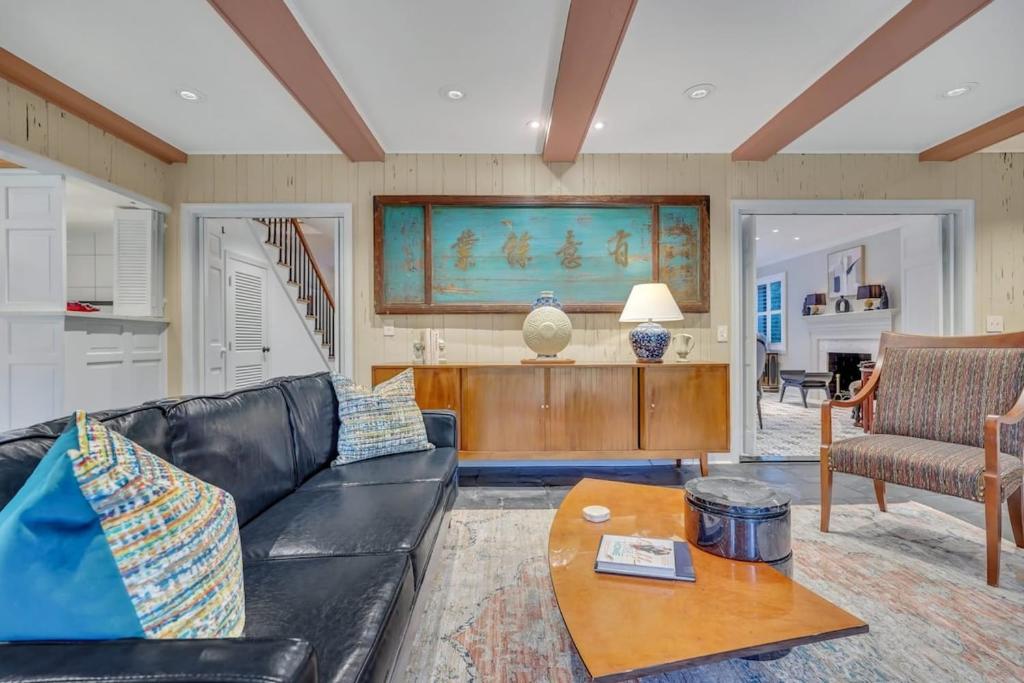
<point x="624" y="627"/>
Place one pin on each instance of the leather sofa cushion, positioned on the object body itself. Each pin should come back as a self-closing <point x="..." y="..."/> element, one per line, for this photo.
<point x="351" y="520"/>
<point x="353" y="610"/>
<point x="436" y="465"/>
<point x="137" y="660"/>
<point x="313" y="410"/>
<point x="22" y="449"/>
<point x="240" y="442"/>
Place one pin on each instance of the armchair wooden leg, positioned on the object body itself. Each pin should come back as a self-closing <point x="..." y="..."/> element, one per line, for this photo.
<point x="826" y="492"/>
<point x="1015" y="505"/>
<point x="993" y="528"/>
<point x="880" y="494"/>
<point x="703" y="464"/>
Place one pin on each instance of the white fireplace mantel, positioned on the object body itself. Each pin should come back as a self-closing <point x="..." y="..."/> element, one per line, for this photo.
<point x="854" y="332"/>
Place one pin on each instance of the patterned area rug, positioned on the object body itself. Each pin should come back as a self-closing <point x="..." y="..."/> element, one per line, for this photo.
<point x="792" y="432"/>
<point x="914" y="574"/>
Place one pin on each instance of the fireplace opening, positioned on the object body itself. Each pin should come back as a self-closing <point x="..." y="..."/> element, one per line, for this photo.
<point x="845" y="369"/>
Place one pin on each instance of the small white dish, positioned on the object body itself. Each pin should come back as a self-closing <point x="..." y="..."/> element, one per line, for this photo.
<point x="596" y="513"/>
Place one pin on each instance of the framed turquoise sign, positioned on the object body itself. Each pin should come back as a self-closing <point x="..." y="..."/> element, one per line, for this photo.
<point x="469" y="254"/>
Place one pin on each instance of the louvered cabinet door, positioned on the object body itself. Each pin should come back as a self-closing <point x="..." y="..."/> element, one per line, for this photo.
<point x="138" y="263"/>
<point x="246" y="322"/>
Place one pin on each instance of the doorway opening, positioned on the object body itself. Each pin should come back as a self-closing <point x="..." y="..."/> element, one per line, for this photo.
<point x="266" y="292"/>
<point x="817" y="283"/>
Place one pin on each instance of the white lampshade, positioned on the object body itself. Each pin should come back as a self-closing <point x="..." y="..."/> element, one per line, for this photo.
<point x="652" y="301"/>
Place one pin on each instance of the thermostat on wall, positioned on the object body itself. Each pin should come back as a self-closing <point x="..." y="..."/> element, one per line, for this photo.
<point x="596" y="513"/>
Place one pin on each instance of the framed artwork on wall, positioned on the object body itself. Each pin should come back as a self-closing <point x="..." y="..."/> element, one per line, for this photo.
<point x="845" y="271"/>
<point x="493" y="254"/>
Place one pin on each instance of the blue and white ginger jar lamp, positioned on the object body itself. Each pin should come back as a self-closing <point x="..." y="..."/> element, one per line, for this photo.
<point x="649" y="304"/>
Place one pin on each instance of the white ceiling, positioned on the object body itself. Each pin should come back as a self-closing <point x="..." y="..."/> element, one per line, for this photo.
<point x="133" y="57"/>
<point x="759" y="55"/>
<point x="905" y="112"/>
<point x="394" y="57"/>
<point x="776" y="235"/>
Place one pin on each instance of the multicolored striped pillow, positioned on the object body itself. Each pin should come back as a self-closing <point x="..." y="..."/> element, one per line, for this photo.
<point x="106" y="540"/>
<point x="381" y="421"/>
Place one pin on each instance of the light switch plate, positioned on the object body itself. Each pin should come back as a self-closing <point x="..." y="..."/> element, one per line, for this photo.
<point x="723" y="333"/>
<point x="389" y="328"/>
<point x="994" y="323"/>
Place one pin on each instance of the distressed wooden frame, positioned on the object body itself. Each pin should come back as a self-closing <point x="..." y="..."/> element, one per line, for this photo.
<point x="654" y="202"/>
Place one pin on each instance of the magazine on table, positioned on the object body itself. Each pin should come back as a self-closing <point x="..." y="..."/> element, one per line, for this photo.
<point x="656" y="558"/>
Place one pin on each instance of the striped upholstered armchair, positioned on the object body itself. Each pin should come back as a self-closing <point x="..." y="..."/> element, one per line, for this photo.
<point x="949" y="419"/>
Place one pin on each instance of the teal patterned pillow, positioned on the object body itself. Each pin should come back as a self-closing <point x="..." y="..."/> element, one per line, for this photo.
<point x="381" y="421"/>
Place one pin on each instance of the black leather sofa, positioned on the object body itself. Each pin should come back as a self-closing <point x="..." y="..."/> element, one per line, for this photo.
<point x="334" y="557"/>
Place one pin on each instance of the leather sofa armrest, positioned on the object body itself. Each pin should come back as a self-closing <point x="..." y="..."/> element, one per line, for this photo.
<point x="442" y="430"/>
<point x="243" y="660"/>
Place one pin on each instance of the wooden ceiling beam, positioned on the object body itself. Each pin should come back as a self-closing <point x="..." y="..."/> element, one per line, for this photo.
<point x="907" y="33"/>
<point x="273" y="34"/>
<point x="4" y="164"/>
<point x="985" y="135"/>
<point x="24" y="75"/>
<point x="593" y="33"/>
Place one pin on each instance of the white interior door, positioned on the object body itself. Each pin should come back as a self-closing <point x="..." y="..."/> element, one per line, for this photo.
<point x="215" y="346"/>
<point x="246" y="358"/>
<point x="922" y="302"/>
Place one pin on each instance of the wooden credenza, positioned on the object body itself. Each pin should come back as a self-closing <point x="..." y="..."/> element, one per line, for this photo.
<point x="586" y="411"/>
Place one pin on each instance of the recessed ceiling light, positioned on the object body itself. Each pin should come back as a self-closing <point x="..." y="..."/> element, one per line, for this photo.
<point x="534" y="124"/>
<point x="190" y="95"/>
<point x="960" y="90"/>
<point x="775" y="229"/>
<point x="453" y="94"/>
<point x="700" y="91"/>
<point x="797" y="239"/>
<point x="599" y="125"/>
<point x="756" y="238"/>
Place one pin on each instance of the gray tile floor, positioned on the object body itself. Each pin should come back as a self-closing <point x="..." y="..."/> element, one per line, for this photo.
<point x="544" y="487"/>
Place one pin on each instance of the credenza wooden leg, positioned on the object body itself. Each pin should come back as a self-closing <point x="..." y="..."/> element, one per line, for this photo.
<point x="703" y="464"/>
<point x="679" y="463"/>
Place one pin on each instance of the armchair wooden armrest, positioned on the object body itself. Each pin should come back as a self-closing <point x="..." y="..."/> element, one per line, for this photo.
<point x="992" y="425"/>
<point x="862" y="395"/>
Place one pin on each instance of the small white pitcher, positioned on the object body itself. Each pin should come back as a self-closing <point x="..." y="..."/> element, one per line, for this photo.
<point x="683" y="347"/>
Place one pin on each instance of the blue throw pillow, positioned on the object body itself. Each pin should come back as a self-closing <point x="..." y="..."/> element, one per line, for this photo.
<point x="106" y="540"/>
<point x="381" y="421"/>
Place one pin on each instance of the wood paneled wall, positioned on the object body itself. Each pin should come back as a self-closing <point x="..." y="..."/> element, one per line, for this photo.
<point x="36" y="125"/>
<point x="994" y="181"/>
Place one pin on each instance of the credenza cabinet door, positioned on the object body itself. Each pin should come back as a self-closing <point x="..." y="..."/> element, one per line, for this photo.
<point x="592" y="409"/>
<point x="504" y="409"/>
<point x="685" y="407"/>
<point x="436" y="388"/>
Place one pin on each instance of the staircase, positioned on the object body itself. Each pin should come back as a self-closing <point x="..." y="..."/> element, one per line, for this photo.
<point x="312" y="290"/>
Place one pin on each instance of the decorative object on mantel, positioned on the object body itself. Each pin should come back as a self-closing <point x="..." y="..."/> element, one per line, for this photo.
<point x="418" y="351"/>
<point x="477" y="254"/>
<point x="814" y="303"/>
<point x="868" y="294"/>
<point x="845" y="271"/>
<point x="647" y="304"/>
<point x="683" y="347"/>
<point x="547" y="330"/>
<point x="883" y="302"/>
<point x="842" y="304"/>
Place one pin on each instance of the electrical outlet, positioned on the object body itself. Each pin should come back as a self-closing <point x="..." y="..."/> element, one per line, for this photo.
<point x="994" y="323"/>
<point x="389" y="328"/>
<point x="723" y="333"/>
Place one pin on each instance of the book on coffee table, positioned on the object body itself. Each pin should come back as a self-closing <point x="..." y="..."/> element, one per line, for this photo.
<point x="656" y="558"/>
